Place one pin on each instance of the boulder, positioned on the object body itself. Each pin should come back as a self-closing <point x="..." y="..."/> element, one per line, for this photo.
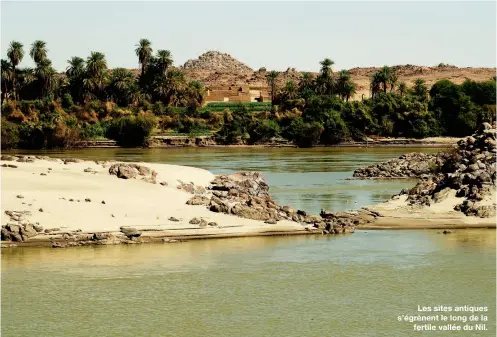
<point x="199" y="200"/>
<point x="195" y="221"/>
<point x="6" y="157"/>
<point x="130" y="232"/>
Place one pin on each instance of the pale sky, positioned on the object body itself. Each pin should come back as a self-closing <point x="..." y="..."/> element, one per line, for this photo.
<point x="275" y="35"/>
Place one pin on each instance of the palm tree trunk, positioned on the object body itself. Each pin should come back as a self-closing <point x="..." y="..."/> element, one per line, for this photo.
<point x="14" y="75"/>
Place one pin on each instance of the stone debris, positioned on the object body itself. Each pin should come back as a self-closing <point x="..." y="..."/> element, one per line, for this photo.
<point x="409" y="165"/>
<point x="469" y="171"/>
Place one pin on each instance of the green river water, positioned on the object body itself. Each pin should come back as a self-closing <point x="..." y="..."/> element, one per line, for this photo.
<point x="351" y="285"/>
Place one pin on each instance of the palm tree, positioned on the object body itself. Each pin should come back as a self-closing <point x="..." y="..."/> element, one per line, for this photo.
<point x="375" y="83"/>
<point x="271" y="81"/>
<point x="15" y="53"/>
<point x="144" y="53"/>
<point x="46" y="76"/>
<point x="326" y="80"/>
<point x="164" y="60"/>
<point x="290" y="90"/>
<point x="122" y="84"/>
<point x="343" y="83"/>
<point x="75" y="73"/>
<point x="38" y="51"/>
<point x="392" y="80"/>
<point x="76" y="67"/>
<point x="326" y="65"/>
<point x="349" y="90"/>
<point x="26" y="77"/>
<point x="171" y="88"/>
<point x="420" y="89"/>
<point x="385" y="74"/>
<point x="402" y="89"/>
<point x="195" y="94"/>
<point x="306" y="81"/>
<point x="7" y="77"/>
<point x="96" y="71"/>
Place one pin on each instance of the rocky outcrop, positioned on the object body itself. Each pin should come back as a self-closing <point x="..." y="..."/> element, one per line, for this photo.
<point x="469" y="171"/>
<point x="216" y="61"/>
<point x="19" y="229"/>
<point x="132" y="171"/>
<point x="246" y="195"/>
<point x="409" y="165"/>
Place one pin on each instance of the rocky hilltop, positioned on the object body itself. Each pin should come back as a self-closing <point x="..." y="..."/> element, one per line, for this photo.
<point x="216" y="61"/>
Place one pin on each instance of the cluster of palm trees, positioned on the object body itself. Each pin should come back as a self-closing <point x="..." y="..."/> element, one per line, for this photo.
<point x="27" y="83"/>
<point x="325" y="83"/>
<point x="386" y="80"/>
<point x="90" y="79"/>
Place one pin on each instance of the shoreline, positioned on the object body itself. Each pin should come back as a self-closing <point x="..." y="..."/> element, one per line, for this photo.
<point x="155" y="205"/>
<point x="67" y="202"/>
<point x="166" y="142"/>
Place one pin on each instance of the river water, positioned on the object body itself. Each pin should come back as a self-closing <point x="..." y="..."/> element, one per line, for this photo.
<point x="352" y="285"/>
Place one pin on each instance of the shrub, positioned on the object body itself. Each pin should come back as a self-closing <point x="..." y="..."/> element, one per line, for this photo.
<point x="131" y="131"/>
<point x="67" y="100"/>
<point x="263" y="130"/>
<point x="92" y="131"/>
<point x="31" y="136"/>
<point x="193" y="126"/>
<point x="10" y="135"/>
<point x="303" y="134"/>
<point x="335" y="129"/>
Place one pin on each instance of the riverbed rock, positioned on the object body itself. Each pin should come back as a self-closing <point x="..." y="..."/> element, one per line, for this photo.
<point x="130" y="232"/>
<point x="199" y="200"/>
<point x="195" y="221"/>
<point x="6" y="157"/>
<point x="467" y="172"/>
<point x="132" y="171"/>
<point x="409" y="165"/>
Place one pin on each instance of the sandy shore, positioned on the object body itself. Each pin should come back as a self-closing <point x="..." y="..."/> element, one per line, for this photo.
<point x="45" y="187"/>
<point x="398" y="214"/>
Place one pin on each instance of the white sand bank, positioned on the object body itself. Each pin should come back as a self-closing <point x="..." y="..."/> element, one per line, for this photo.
<point x="397" y="213"/>
<point x="131" y="202"/>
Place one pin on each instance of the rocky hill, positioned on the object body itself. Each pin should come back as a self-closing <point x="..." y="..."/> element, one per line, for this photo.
<point x="216" y="69"/>
<point x="216" y="61"/>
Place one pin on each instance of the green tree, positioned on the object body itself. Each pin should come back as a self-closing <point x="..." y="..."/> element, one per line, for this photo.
<point x="402" y="89"/>
<point x="144" y="52"/>
<point x="420" y="90"/>
<point x="38" y="51"/>
<point x="75" y="73"/>
<point x="326" y="81"/>
<point x="164" y="60"/>
<point x="122" y="87"/>
<point x="453" y="108"/>
<point x="335" y="130"/>
<point x="271" y="78"/>
<point x="96" y="74"/>
<point x="15" y="53"/>
<point x="7" y="79"/>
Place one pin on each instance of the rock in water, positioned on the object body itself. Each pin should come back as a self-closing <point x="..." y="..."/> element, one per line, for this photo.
<point x="468" y="171"/>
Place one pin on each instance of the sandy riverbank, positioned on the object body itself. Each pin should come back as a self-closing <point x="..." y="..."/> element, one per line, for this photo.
<point x="44" y="189"/>
<point x="398" y="214"/>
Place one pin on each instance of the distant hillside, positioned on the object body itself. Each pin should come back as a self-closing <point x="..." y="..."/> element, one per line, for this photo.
<point x="216" y="69"/>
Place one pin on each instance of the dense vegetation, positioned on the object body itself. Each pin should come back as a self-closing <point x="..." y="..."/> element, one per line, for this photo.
<point x="41" y="108"/>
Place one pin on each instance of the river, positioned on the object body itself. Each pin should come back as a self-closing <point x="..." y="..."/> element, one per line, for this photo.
<point x="352" y="285"/>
